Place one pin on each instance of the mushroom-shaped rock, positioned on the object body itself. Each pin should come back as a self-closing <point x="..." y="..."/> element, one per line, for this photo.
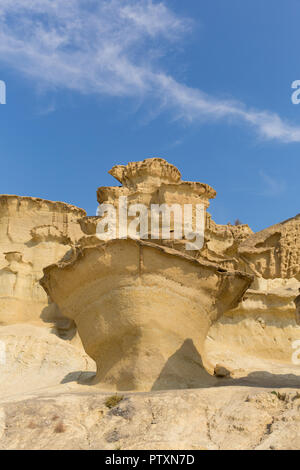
<point x="150" y="171"/>
<point x="143" y="311"/>
<point x="153" y="187"/>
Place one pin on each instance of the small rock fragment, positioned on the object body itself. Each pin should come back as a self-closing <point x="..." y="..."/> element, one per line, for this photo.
<point x="221" y="371"/>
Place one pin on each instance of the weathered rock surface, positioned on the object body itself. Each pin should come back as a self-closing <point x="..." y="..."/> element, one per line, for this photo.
<point x="221" y="371"/>
<point x="297" y="304"/>
<point x="222" y="243"/>
<point x="274" y="252"/>
<point x="143" y="311"/>
<point x="224" y="417"/>
<point x="152" y="182"/>
<point x="264" y="325"/>
<point x="155" y="181"/>
<point x="33" y="234"/>
<point x="36" y="359"/>
<point x="142" y="301"/>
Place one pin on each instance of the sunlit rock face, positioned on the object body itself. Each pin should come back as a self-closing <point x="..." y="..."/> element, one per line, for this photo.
<point x="222" y="243"/>
<point x="33" y="234"/>
<point x="264" y="325"/>
<point x="143" y="311"/>
<point x="274" y="252"/>
<point x="35" y="358"/>
<point x="272" y="256"/>
<point x="154" y="181"/>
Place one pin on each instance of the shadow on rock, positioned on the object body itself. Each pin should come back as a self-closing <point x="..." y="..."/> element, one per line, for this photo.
<point x="184" y="369"/>
<point x="80" y="377"/>
<point x="265" y="379"/>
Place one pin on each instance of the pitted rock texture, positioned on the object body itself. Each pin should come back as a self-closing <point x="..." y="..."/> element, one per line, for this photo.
<point x="48" y="398"/>
<point x="154" y="181"/>
<point x="263" y="326"/>
<point x="217" y="418"/>
<point x="275" y="251"/>
<point x="33" y="234"/>
<point x="266" y="323"/>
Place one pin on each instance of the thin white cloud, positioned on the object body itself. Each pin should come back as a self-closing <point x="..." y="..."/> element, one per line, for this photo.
<point x="113" y="48"/>
<point x="272" y="186"/>
<point x="45" y="110"/>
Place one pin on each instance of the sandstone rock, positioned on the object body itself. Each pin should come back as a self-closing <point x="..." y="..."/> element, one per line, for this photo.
<point x="215" y="418"/>
<point x="143" y="311"/>
<point x="149" y="182"/>
<point x="297" y="303"/>
<point x="222" y="243"/>
<point x="155" y="181"/>
<point x="152" y="171"/>
<point x="2" y="422"/>
<point x="33" y="234"/>
<point x="221" y="371"/>
<point x="264" y="325"/>
<point x="274" y="252"/>
<point x="35" y="359"/>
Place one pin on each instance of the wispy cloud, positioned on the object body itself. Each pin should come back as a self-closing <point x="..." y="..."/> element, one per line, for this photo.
<point x="113" y="48"/>
<point x="45" y="110"/>
<point x="272" y="186"/>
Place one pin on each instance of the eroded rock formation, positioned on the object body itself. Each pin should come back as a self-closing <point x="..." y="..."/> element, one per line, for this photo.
<point x="143" y="311"/>
<point x="264" y="325"/>
<point x="274" y="252"/>
<point x="154" y="182"/>
<point x="33" y="234"/>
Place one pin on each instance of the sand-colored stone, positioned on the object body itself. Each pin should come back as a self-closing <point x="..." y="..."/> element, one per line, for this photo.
<point x="222" y="243"/>
<point x="143" y="311"/>
<point x="36" y="359"/>
<point x="297" y="303"/>
<point x="274" y="252"/>
<point x="264" y="325"/>
<point x="218" y="418"/>
<point x="155" y="181"/>
<point x="270" y="302"/>
<point x="33" y="234"/>
<point x="221" y="371"/>
<point x="152" y="181"/>
<point x="271" y="255"/>
<point x="153" y="171"/>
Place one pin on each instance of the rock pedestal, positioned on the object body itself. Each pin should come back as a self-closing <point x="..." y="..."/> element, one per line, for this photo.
<point x="143" y="311"/>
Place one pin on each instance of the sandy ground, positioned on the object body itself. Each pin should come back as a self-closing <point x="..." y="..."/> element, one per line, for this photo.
<point x="47" y="402"/>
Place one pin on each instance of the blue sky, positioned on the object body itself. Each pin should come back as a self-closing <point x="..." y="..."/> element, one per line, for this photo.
<point x="205" y="85"/>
